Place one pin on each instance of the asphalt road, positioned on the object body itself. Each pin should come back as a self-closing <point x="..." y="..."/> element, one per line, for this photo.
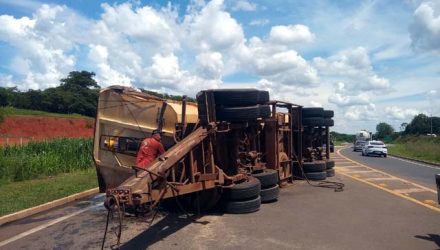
<point x="419" y="173"/>
<point x="305" y="217"/>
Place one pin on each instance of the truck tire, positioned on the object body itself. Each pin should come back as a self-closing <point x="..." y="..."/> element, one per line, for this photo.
<point x="328" y="113"/>
<point x="316" y="176"/>
<point x="243" y="114"/>
<point x="244" y="206"/>
<point x="312" y="112"/>
<point x="330" y="164"/>
<point x="243" y="191"/>
<point x="312" y="121"/>
<point x="330" y="172"/>
<point x="267" y="178"/>
<point x="240" y="97"/>
<point x="270" y="194"/>
<point x="315" y="166"/>
<point x="327" y="122"/>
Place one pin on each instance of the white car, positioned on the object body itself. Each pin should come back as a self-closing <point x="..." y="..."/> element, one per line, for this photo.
<point x="375" y="148"/>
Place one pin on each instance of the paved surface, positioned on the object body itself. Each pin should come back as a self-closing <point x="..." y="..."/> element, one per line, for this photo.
<point x="363" y="216"/>
<point x="419" y="173"/>
<point x="399" y="183"/>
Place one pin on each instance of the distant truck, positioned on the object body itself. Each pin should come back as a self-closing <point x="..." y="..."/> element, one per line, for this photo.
<point x="363" y="135"/>
<point x="361" y="138"/>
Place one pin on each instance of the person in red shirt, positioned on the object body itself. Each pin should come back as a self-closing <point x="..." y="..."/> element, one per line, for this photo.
<point x="150" y="149"/>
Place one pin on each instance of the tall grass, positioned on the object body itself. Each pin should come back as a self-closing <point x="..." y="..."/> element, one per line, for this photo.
<point x="421" y="148"/>
<point x="38" y="159"/>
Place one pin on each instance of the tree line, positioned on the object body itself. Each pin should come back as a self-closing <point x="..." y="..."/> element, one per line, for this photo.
<point x="421" y="124"/>
<point x="77" y="94"/>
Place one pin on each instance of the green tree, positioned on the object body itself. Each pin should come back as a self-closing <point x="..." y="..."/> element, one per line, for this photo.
<point x="79" y="80"/>
<point x="384" y="130"/>
<point x="420" y="125"/>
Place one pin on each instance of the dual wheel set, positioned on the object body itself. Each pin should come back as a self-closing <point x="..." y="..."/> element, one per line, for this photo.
<point x="246" y="197"/>
<point x="319" y="170"/>
<point x="235" y="105"/>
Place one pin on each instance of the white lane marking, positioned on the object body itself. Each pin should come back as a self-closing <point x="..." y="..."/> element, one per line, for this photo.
<point x="409" y="190"/>
<point x="46" y="225"/>
<point x="415" y="163"/>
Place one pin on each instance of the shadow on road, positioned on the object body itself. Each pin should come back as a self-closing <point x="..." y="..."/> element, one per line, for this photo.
<point x="431" y="237"/>
<point x="170" y="224"/>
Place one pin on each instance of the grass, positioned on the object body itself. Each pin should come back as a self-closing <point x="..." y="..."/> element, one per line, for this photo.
<point x="38" y="159"/>
<point x="11" y="111"/>
<point x="16" y="196"/>
<point x="420" y="148"/>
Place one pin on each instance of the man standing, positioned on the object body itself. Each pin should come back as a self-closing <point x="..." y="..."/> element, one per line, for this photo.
<point x="150" y="149"/>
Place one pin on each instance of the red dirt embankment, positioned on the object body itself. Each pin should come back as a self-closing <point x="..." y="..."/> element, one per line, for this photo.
<point x="21" y="129"/>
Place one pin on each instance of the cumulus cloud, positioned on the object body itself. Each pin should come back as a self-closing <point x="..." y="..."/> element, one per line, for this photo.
<point x="425" y="29"/>
<point x="354" y="65"/>
<point x="361" y="113"/>
<point x="42" y="44"/>
<point x="210" y="65"/>
<point x="212" y="28"/>
<point x="291" y="34"/>
<point x="396" y="113"/>
<point x="244" y="6"/>
<point x="141" y="46"/>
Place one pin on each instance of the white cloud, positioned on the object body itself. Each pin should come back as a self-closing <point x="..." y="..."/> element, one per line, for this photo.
<point x="401" y="114"/>
<point x="142" y="46"/>
<point x="361" y="113"/>
<point x="341" y="100"/>
<point x="213" y="29"/>
<point x="291" y="34"/>
<point x="425" y="29"/>
<point x="353" y="66"/>
<point x="244" y="5"/>
<point x="210" y="65"/>
<point x="259" y="22"/>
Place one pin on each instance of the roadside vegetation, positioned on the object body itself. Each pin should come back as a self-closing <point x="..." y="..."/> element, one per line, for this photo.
<point x="16" y="196"/>
<point x="417" y="147"/>
<point x="340" y="138"/>
<point x="39" y="159"/>
<point x="39" y="172"/>
<point x="417" y="140"/>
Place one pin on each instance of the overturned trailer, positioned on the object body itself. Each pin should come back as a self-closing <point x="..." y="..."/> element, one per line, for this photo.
<point x="237" y="145"/>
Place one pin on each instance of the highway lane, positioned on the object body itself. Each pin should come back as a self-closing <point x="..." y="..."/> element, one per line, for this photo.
<point x="305" y="217"/>
<point x="419" y="173"/>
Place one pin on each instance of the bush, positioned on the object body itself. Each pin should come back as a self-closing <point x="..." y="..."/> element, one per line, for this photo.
<point x="48" y="158"/>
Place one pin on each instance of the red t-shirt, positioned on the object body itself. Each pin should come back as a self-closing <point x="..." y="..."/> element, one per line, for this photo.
<point x="150" y="149"/>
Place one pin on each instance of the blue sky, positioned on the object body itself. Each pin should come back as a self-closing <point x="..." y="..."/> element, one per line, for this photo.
<point x="370" y="61"/>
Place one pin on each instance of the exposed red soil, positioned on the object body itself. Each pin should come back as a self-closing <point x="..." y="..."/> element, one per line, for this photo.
<point x="21" y="129"/>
